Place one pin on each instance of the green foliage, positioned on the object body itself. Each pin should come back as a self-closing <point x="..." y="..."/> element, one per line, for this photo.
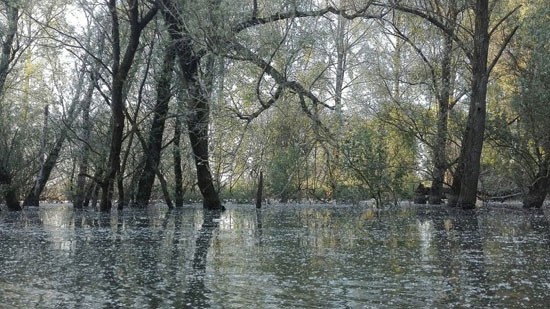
<point x="518" y="126"/>
<point x="380" y="160"/>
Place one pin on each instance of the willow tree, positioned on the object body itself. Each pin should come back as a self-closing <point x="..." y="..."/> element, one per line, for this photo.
<point x="476" y="44"/>
<point x="523" y="130"/>
<point x="7" y="59"/>
<point x="154" y="145"/>
<point x="218" y="32"/>
<point x="137" y="17"/>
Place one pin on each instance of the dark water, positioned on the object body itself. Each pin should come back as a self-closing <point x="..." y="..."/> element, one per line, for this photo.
<point x="278" y="257"/>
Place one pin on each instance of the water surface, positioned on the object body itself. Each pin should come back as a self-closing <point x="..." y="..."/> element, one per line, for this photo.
<point x="299" y="256"/>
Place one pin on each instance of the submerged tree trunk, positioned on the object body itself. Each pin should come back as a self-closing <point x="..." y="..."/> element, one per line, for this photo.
<point x="472" y="143"/>
<point x="154" y="147"/>
<point x="119" y="73"/>
<point x="443" y="99"/>
<point x="539" y="189"/>
<point x="7" y="58"/>
<point x="80" y="188"/>
<point x="10" y="193"/>
<point x="178" y="175"/>
<point x="197" y="102"/>
<point x="260" y="190"/>
<point x="48" y="162"/>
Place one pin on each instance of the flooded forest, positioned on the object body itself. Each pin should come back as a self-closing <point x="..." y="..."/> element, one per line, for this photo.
<point x="120" y="103"/>
<point x="271" y="154"/>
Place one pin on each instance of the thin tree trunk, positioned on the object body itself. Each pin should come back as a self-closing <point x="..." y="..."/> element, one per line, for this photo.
<point x="7" y="39"/>
<point x="154" y="147"/>
<point x="178" y="175"/>
<point x="80" y="190"/>
<point x="472" y="144"/>
<point x="440" y="147"/>
<point x="164" y="187"/>
<point x="120" y="70"/>
<point x="48" y="162"/>
<point x="260" y="190"/>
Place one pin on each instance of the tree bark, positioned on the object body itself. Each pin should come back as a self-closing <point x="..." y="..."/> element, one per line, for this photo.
<point x="154" y="148"/>
<point x="472" y="143"/>
<point x="197" y="103"/>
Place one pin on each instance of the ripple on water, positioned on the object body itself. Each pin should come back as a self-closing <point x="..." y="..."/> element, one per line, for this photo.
<point x="280" y="256"/>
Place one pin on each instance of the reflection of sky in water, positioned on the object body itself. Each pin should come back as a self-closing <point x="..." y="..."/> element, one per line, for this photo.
<point x="58" y="223"/>
<point x="279" y="256"/>
<point x="425" y="232"/>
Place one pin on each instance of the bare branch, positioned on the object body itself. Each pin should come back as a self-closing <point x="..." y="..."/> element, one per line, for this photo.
<point x="501" y="50"/>
<point x="255" y="21"/>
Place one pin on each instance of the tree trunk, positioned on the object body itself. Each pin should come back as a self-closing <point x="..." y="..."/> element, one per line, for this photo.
<point x="539" y="189"/>
<point x="10" y="193"/>
<point x="440" y="147"/>
<point x="120" y="71"/>
<point x="80" y="190"/>
<point x="7" y="38"/>
<point x="197" y="102"/>
<point x="48" y="162"/>
<point x="153" y="152"/>
<point x="260" y="190"/>
<point x="178" y="175"/>
<point x="472" y="143"/>
<point x="12" y="202"/>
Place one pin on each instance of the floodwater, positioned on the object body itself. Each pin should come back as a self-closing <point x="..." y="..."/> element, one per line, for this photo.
<point x="282" y="256"/>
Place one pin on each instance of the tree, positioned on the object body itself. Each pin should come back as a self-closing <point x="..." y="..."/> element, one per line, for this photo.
<point x="475" y="43"/>
<point x="154" y="145"/>
<point x="520" y="127"/>
<point x="121" y="65"/>
<point x="197" y="101"/>
<point x="7" y="59"/>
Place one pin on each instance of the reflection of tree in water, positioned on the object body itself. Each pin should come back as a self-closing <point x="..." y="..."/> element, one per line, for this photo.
<point x="461" y="255"/>
<point x="197" y="293"/>
<point x="463" y="259"/>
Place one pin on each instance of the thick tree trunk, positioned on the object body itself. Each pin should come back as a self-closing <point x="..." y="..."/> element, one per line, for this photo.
<point x="197" y="102"/>
<point x="472" y="144"/>
<point x="10" y="193"/>
<point x="198" y="135"/>
<point x="117" y="132"/>
<point x="539" y="189"/>
<point x="12" y="202"/>
<point x="153" y="152"/>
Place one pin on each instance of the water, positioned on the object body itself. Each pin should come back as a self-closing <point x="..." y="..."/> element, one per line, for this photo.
<point x="282" y="256"/>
